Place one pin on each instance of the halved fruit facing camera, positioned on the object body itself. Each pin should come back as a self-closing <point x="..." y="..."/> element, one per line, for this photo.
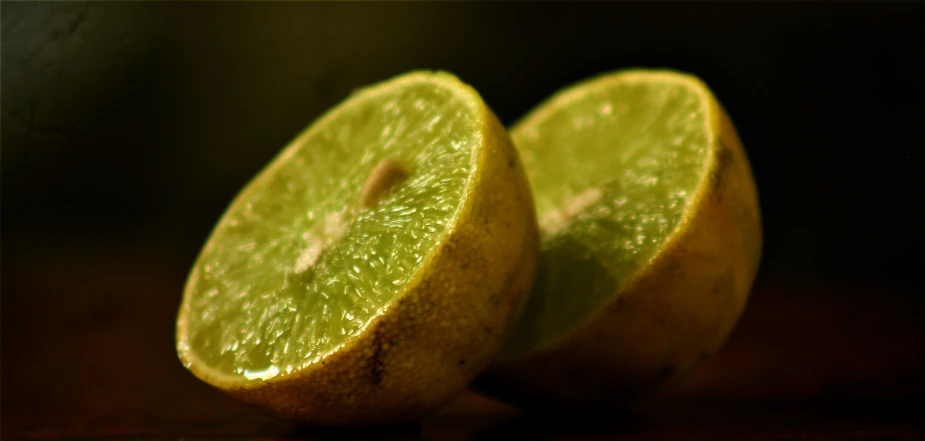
<point x="373" y="268"/>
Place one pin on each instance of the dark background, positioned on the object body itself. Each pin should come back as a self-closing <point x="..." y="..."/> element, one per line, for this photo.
<point x="127" y="128"/>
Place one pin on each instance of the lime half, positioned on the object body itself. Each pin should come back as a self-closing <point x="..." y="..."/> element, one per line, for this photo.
<point x="320" y="291"/>
<point x="650" y="238"/>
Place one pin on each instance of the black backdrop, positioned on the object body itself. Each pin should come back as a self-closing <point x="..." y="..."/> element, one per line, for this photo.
<point x="127" y="127"/>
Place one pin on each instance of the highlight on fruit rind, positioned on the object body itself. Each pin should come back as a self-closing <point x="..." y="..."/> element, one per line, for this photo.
<point x="650" y="240"/>
<point x="374" y="267"/>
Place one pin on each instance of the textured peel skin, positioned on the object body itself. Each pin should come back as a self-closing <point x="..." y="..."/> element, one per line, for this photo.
<point x="464" y="280"/>
<point x="647" y="276"/>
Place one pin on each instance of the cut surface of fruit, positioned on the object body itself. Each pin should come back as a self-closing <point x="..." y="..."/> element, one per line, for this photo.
<point x="297" y="265"/>
<point x="614" y="167"/>
<point x="650" y="235"/>
<point x="347" y="222"/>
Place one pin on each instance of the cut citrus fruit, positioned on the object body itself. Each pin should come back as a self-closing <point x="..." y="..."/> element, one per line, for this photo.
<point x="650" y="239"/>
<point x="374" y="267"/>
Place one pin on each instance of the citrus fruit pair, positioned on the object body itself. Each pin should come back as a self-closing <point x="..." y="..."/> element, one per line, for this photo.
<point x="392" y="252"/>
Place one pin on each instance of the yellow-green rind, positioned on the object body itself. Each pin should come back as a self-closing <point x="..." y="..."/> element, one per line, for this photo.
<point x="678" y="309"/>
<point x="443" y="329"/>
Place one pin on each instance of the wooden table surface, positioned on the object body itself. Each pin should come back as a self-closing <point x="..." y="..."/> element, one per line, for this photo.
<point x="807" y="362"/>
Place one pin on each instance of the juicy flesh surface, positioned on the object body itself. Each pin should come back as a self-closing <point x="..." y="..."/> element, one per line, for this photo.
<point x="613" y="172"/>
<point x="296" y="268"/>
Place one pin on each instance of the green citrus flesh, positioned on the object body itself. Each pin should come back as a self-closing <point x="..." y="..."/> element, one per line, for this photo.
<point x="297" y="265"/>
<point x="613" y="167"/>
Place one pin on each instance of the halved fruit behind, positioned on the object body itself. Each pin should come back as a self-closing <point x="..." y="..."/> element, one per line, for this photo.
<point x="374" y="267"/>
<point x="650" y="239"/>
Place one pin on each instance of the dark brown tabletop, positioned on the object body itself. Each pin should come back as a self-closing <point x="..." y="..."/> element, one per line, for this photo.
<point x="806" y="362"/>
